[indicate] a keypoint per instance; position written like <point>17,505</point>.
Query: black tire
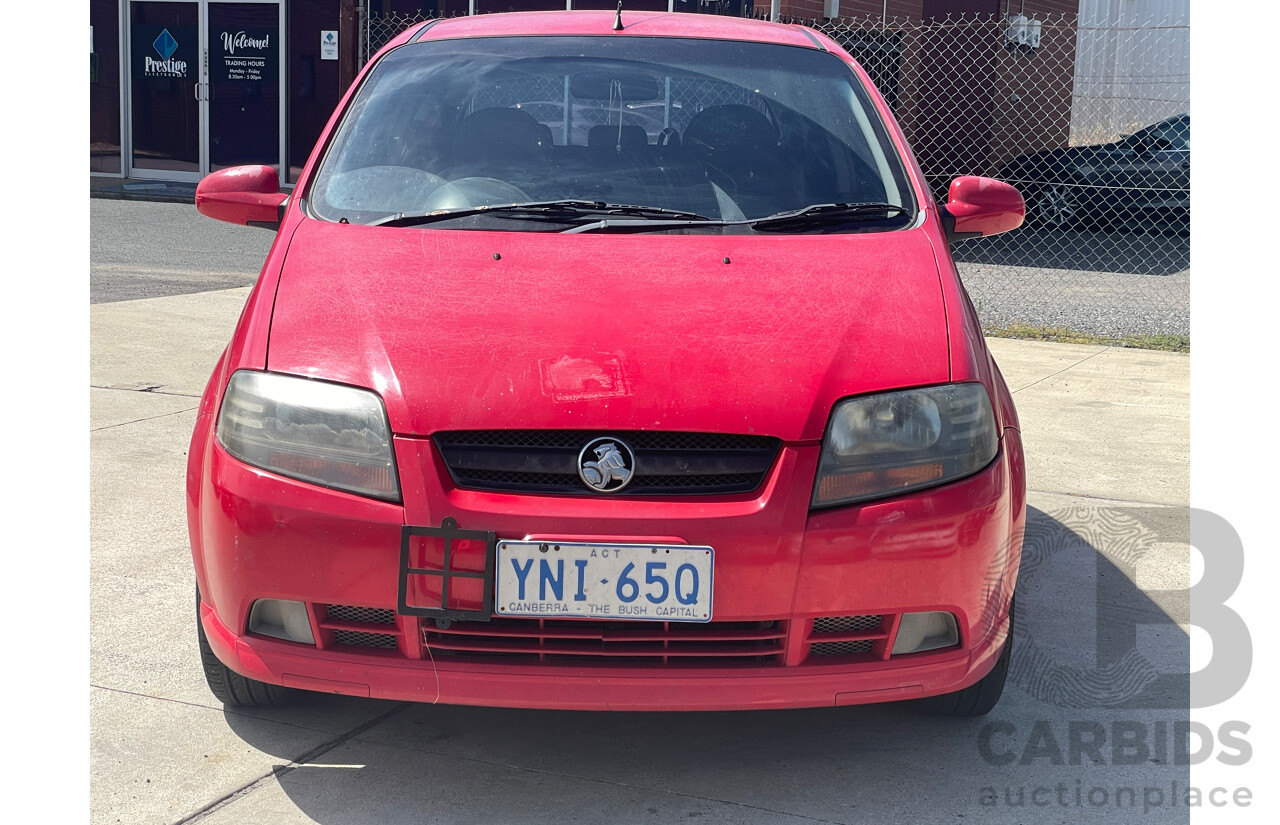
<point>979,698</point>
<point>229,687</point>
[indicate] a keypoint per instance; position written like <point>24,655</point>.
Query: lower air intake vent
<point>845,624</point>
<point>635,643</point>
<point>841,648</point>
<point>352,637</point>
<point>864,636</point>
<point>368,615</point>
<point>367,627</point>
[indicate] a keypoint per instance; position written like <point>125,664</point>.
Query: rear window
<point>723,129</point>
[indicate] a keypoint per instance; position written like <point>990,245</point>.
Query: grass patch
<point>1027,332</point>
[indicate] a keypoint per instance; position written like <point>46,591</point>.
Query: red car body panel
<point>734,334</point>
<point>429,315</point>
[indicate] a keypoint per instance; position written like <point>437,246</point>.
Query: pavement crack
<point>282,770</point>
<point>150,389</point>
<point>1112,499</point>
<point>1061,371</point>
<point>148,418</point>
<point>219,709</point>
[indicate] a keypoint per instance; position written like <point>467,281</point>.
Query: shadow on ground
<point>1128,253</point>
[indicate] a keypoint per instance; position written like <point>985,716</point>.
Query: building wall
<point>1134,66</point>
<point>816,10</point>
<point>966,102</point>
<point>970,102</point>
<point>314,85</point>
<point>926,9</point>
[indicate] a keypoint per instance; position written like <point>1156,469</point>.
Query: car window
<point>729,130</point>
<point>1174,134</point>
<point>1168,135</point>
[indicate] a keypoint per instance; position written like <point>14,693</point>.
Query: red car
<point>736,443</point>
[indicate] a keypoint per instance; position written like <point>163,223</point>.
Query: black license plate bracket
<point>449,531</point>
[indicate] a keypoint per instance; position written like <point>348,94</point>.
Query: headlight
<point>323,433</point>
<point>889,443</point>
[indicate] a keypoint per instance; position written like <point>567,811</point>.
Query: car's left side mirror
<point>247,195</point>
<point>977,207</point>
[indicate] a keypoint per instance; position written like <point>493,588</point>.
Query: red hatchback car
<point>736,443</point>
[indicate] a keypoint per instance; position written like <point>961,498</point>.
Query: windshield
<point>709,129</point>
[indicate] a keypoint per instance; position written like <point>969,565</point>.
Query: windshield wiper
<point>550,210</point>
<point>820,213</point>
<point>814,214</point>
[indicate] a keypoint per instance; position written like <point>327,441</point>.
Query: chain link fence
<point>1089,122</point>
<point>380,29</point>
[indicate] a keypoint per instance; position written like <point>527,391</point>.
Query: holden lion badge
<point>606,465</point>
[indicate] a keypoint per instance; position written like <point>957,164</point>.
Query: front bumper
<point>599,688</point>
<point>954,548</point>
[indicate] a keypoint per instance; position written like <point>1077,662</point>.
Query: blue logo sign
<point>165,45</point>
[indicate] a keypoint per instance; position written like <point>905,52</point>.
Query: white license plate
<point>648,582</point>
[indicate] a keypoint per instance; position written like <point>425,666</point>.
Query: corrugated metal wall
<point>1133,66</point>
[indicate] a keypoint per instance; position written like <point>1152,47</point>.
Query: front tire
<point>229,687</point>
<point>979,698</point>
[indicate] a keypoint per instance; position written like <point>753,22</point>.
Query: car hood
<point>480,330</point>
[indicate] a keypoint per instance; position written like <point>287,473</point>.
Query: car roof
<point>634,24</point>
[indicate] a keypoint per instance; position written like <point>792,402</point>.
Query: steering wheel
<point>466,193</point>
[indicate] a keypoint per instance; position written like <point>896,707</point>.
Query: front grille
<point>588,641</point>
<point>666,463</point>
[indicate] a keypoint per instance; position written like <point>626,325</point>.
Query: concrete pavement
<point>1107,438</point>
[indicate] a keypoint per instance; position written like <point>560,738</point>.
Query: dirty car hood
<point>479,330</point>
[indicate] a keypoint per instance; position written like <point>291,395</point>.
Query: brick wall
<point>813,9</point>
<point>920,9</point>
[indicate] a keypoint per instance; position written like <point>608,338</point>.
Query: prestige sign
<point>245,56</point>
<point>164,52</point>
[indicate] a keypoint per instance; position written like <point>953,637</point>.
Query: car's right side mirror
<point>977,207</point>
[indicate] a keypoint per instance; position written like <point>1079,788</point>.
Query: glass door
<point>205,86</point>
<point>164,90</point>
<point>244,84</point>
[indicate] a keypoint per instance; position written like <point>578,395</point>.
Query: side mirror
<point>977,207</point>
<point>247,195</point>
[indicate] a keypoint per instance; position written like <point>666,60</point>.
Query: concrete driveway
<point>1102,640</point>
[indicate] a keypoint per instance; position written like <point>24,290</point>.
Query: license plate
<point>648,582</point>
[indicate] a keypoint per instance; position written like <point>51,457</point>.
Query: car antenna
<point>617,21</point>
